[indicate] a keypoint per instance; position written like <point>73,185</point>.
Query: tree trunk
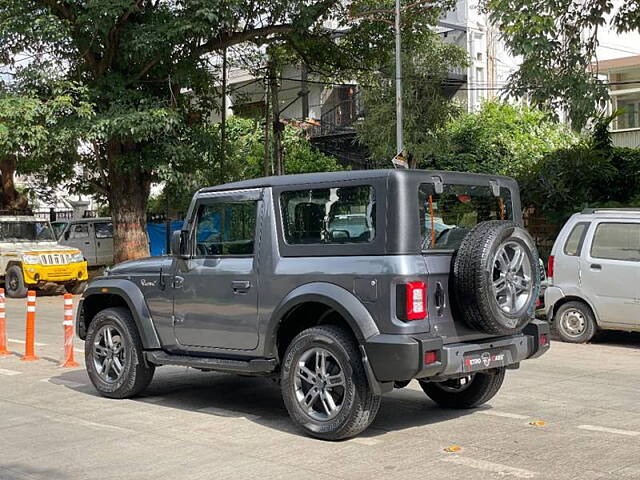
<point>11,199</point>
<point>277,126</point>
<point>128,196</point>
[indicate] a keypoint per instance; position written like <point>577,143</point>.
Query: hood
<point>143,265</point>
<point>35,247</point>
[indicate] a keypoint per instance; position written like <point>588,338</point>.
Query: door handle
<point>240,286</point>
<point>596,266</point>
<point>178,281</point>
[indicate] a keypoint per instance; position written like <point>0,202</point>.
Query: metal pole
<point>223,123</point>
<point>399,133</point>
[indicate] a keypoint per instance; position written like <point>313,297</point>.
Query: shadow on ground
<point>259,400</point>
<point>18,471</point>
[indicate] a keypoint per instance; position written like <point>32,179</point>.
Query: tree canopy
<point>557,42</point>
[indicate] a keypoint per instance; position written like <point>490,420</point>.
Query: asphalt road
<point>572,414</point>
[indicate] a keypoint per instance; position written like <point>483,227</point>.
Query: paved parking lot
<point>573,414</point>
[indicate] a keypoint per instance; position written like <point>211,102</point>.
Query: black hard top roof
<point>322,177</point>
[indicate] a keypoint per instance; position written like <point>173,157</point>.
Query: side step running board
<point>256,366</point>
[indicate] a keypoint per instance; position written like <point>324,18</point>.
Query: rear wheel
<point>14,282</point>
<point>468,392</point>
<point>324,386</point>
<point>574,323</point>
<point>113,355</point>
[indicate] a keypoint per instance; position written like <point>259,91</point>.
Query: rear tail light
<point>544,340</point>
<point>430,357</point>
<point>416,300</point>
<point>550,266</point>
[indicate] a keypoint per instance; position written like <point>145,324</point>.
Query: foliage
<point>145,66</point>
<point>426,103</point>
<point>244,160</point>
<point>500,139</point>
<point>557,43</point>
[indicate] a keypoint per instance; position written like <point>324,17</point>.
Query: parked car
<point>333,284</point>
<point>30,257</point>
<point>594,273</point>
<point>92,236</point>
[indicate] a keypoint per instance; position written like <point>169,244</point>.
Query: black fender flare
<point>132,296</point>
<point>338,298</point>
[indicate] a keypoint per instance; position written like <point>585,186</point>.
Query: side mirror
<point>179,243</point>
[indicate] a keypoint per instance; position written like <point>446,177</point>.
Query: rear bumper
<point>401,357</point>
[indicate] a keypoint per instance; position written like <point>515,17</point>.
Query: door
<point>216,288</point>
<point>610,270</point>
<point>78,236</point>
<point>103,233</point>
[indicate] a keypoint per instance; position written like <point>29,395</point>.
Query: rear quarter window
<point>573,245</point>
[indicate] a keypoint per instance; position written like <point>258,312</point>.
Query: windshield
<point>446,218</point>
<point>58,227</point>
<point>26,231</point>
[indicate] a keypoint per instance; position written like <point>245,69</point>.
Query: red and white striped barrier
<point>69,361</point>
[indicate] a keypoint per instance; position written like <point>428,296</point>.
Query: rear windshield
<point>446,218</point>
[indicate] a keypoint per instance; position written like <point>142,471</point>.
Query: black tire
<point>574,322</point>
<point>482,388</point>
<point>76,288</point>
<point>358,406</point>
<point>14,282</point>
<point>477,269</point>
<point>135,374</point>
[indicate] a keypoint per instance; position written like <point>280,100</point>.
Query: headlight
<point>31,259</point>
<point>77,257</point>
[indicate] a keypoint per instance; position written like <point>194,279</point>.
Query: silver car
<point>92,236</point>
<point>594,273</point>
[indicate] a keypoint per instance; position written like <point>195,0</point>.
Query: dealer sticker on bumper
<point>484,359</point>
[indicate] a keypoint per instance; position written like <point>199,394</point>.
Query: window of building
<point>226,228</point>
<point>329,215</point>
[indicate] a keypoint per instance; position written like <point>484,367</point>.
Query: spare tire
<point>496,278</point>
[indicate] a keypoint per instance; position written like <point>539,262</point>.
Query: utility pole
<point>399,159</point>
<point>267,128</point>
<point>223,122</point>
<point>277,126</point>
<point>304,75</point>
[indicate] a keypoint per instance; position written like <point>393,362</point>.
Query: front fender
<point>338,298</point>
<point>106,292</point>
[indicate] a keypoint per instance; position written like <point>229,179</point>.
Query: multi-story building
<point>623,75</point>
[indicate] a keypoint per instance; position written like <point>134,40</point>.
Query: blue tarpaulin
<point>158,236</point>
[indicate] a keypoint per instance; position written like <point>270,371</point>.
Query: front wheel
<point>113,355</point>
<point>14,282</point>
<point>324,385</point>
<point>467,392</point>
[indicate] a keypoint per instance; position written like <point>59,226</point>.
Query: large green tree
<point>557,41</point>
<point>145,66</point>
<point>426,97</point>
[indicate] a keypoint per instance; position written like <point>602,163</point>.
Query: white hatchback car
<point>594,274</point>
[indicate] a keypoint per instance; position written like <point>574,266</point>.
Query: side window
<point>329,215</point>
<point>226,228</point>
<point>617,241</point>
<point>103,230</point>
<point>79,231</point>
<point>573,246</point>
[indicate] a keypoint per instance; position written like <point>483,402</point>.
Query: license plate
<point>484,359</point>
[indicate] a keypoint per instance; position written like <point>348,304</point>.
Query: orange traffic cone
<point>3,325</point>
<point>69,362</point>
<point>30,340</point>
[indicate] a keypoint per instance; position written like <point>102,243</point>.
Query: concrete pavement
<point>572,414</point>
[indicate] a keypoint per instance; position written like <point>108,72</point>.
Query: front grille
<point>55,258</point>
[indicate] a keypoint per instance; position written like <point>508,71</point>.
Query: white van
<point>594,274</point>
<point>92,236</point>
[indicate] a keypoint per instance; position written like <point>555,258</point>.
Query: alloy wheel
<point>512,278</point>
<point>320,384</point>
<point>109,353</point>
